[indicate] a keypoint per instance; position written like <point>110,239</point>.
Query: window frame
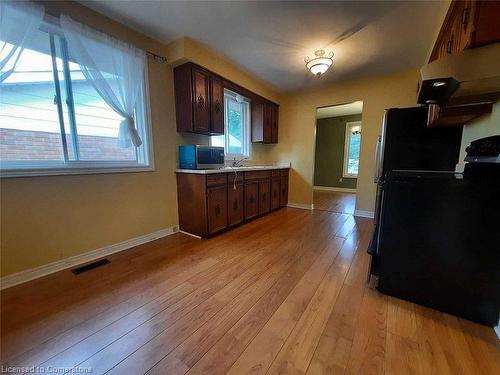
<point>31,168</point>
<point>347,138</point>
<point>246,136</point>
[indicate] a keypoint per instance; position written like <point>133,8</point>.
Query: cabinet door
<point>284,191</point>
<point>217,208</point>
<point>251,199</point>
<point>235,204</point>
<point>275,193</point>
<point>257,109</point>
<point>217,106</point>
<point>486,19</point>
<point>201,105</point>
<point>274,123</point>
<point>268,123</point>
<point>264,196</point>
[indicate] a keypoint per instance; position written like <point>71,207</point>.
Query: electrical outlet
<point>340,179</point>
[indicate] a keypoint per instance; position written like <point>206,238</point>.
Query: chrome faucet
<point>237,163</point>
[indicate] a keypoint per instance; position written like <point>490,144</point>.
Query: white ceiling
<point>271,39</point>
<point>353,108</point>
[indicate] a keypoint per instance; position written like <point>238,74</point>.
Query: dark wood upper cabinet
<point>468,24</point>
<point>199,104</point>
<point>217,105</point>
<point>201,110</point>
<point>265,117</point>
<point>199,100</point>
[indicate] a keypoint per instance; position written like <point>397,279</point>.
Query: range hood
<point>466,78</point>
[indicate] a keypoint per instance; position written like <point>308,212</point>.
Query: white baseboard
<point>301,206</point>
<point>190,234</point>
<point>34,273</point>
<point>361,213</point>
<point>330,188</point>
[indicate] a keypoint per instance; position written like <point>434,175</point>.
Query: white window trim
<point>247,144</point>
<point>30,168</point>
<point>348,125</point>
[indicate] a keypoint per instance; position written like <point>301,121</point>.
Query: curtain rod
<point>157,57</point>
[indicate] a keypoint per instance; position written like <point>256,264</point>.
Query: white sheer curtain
<point>115,69</point>
<point>18,22</point>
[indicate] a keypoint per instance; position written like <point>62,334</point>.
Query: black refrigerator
<point>436,239</point>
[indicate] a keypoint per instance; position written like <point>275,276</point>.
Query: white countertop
<point>237,169</point>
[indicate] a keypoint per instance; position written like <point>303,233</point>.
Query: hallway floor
<point>334,201</point>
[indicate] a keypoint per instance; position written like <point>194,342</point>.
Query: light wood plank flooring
<point>334,201</point>
<point>284,294</point>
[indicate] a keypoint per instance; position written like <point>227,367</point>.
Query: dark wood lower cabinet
<point>284,190</point>
<point>251,199</point>
<point>235,204</point>
<point>275,193</point>
<point>217,208</point>
<point>210,203</point>
<point>264,197</point>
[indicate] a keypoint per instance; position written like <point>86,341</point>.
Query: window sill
<point>71,171</point>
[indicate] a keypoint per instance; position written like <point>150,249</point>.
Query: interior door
<point>217,106</point>
<point>201,103</point>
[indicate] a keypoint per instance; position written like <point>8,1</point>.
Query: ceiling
<point>271,39</point>
<point>353,108</point>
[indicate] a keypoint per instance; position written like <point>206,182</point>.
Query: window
<point>53,121</point>
<point>236,138</point>
<point>351,149</point>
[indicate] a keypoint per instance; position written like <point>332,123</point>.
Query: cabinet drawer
<point>257,175</point>
<point>216,179</point>
<point>231,176</point>
<point>284,172</point>
<point>275,172</point>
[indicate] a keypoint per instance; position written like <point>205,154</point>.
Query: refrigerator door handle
<point>376,174</point>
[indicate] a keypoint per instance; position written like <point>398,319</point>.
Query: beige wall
<point>297,127</point>
<point>45,219</point>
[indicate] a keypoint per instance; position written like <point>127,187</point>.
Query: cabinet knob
<point>235,205</point>
<point>217,106</point>
<point>201,101</point>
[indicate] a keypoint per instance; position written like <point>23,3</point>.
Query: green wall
<point>329,158</point>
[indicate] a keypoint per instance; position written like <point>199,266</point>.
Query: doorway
<point>336,157</point>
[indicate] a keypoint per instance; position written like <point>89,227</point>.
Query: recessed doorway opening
<point>336,157</point>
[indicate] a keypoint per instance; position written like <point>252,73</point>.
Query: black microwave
<point>201,157</point>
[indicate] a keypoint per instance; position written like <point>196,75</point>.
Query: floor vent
<point>90,266</point>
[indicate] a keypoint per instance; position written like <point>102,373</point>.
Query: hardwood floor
<point>334,201</point>
<point>285,293</point>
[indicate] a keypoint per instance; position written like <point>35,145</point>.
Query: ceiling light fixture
<point>320,63</point>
